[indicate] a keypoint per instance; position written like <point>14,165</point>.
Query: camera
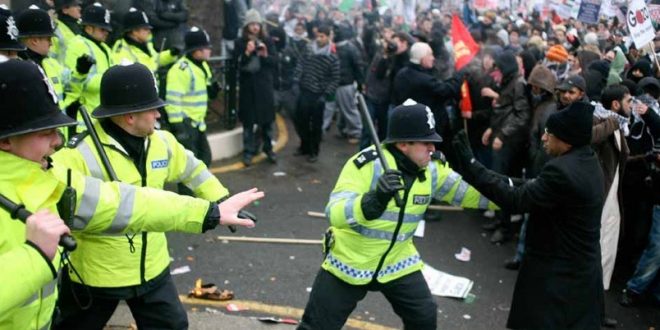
<point>391,48</point>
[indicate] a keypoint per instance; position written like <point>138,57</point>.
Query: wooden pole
<point>269,240</point>
<point>316,214</point>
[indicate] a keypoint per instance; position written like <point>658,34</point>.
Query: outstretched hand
<point>231,207</point>
<point>462,148</point>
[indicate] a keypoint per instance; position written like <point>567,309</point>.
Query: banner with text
<point>639,23</point>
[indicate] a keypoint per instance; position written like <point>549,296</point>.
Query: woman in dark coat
<point>256,107</point>
<point>559,285</point>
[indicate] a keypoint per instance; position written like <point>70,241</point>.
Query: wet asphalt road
<point>280,274</point>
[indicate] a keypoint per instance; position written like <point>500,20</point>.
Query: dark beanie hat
<point>573,124</point>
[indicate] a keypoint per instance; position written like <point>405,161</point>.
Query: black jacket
<point>256,100</point>
<point>351,66</point>
<point>559,285</point>
<point>417,83</point>
<point>389,67</point>
<point>168,18</point>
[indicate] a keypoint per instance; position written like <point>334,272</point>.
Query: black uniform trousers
<point>199,145</point>
<point>154,304</point>
<point>332,301</point>
<point>308,121</point>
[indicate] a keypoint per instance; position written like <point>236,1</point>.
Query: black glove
<point>175,51</point>
<point>72,109</point>
<point>84,64</point>
<point>181,132</point>
<point>247,215</point>
<point>213,90</point>
<point>388,185</point>
<point>462,148</point>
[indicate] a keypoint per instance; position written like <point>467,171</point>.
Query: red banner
<point>464,46</point>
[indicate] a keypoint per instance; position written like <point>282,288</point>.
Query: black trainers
<point>512,264</point>
<point>629,298</point>
<point>608,322</point>
<point>312,158</point>
<point>247,161</point>
<point>271,156</point>
<point>500,236</point>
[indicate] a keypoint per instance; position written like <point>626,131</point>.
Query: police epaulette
<point>183,65</point>
<point>75,140</point>
<point>365,157</point>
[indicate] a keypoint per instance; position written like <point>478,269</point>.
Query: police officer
<point>134,268</point>
<point>9,43</point>
<point>189,87</point>
<point>67,27</point>
<point>28,136</point>
<point>135,46</point>
<point>36,28</point>
<point>371,246</point>
<point>88,56</point>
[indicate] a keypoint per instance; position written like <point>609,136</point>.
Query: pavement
<point>274,279</point>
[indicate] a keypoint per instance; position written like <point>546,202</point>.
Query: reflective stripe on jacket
<point>360,244</point>
<point>186,92</point>
<point>105,260</point>
<point>27,299</point>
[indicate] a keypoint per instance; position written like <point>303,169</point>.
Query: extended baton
<point>366,119</point>
<point>18,212</point>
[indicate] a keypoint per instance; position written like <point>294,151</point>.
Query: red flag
<point>466,103</point>
<point>464,46</point>
<point>464,51</point>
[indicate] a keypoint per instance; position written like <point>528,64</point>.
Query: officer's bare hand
<point>229,208</point>
<point>44,229</point>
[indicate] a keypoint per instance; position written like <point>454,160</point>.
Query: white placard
<point>639,23</point>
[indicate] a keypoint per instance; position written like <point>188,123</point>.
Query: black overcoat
<point>559,285</point>
<point>256,103</point>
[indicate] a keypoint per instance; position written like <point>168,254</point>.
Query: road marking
<point>269,240</point>
<point>282,139</point>
<point>282,311</point>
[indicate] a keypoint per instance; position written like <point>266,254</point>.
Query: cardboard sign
<point>639,23</point>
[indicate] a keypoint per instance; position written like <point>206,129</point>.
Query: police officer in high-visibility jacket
<point>66,27</point>
<point>136,45</point>
<point>9,43</point>
<point>36,28</point>
<point>133,268</point>
<point>369,246</point>
<point>189,87</point>
<point>28,136</point>
<point>88,56</point>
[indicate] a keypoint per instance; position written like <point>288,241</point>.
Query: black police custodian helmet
<point>9,34</point>
<point>96,15</point>
<point>61,4</point>
<point>35,22</point>
<point>136,19</point>
<point>29,102</point>
<point>196,38</point>
<point>411,122</point>
<point>127,88</point>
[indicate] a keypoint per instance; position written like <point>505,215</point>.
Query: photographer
<point>257,63</point>
<point>395,58</point>
<point>638,180</point>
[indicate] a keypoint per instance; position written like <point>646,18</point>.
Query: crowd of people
<point>309,62</point>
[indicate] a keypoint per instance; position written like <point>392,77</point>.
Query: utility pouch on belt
<point>328,242</point>
<point>66,206</point>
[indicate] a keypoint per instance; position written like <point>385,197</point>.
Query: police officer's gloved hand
<point>213,90</point>
<point>84,64</point>
<point>462,148</point>
<point>181,132</point>
<point>175,51</point>
<point>388,184</point>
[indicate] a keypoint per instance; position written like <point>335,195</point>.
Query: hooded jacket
<point>511,113</point>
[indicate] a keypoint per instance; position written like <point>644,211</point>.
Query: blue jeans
<point>649,264</point>
<point>250,141</point>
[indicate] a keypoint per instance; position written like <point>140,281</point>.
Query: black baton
<point>366,119</point>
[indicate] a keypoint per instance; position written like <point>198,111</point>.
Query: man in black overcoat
<point>559,285</point>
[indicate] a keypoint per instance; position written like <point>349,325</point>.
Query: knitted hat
<point>252,16</point>
<point>573,124</point>
<point>557,53</point>
<point>419,50</point>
